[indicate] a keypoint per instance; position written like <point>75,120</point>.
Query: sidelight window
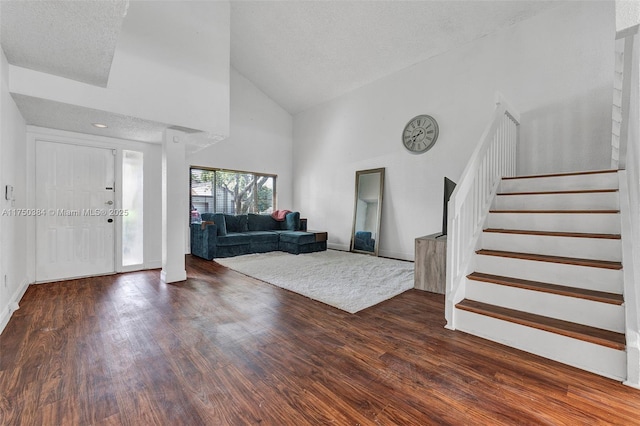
<point>132,202</point>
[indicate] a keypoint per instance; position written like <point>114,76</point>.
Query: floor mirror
<point>365,234</point>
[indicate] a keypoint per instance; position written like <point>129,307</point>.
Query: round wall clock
<point>420,134</point>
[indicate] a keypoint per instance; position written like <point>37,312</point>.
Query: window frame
<point>274,178</point>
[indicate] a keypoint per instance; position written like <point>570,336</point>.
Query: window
<point>231,192</point>
<point>132,201</point>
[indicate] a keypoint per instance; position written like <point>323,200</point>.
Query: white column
<point>174,206</point>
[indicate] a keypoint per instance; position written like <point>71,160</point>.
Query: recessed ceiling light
<point>99,125</point>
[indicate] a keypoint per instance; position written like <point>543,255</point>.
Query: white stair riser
<point>597,223</point>
<point>597,359</point>
<point>609,280</point>
<point>561,183</point>
<point>581,311</point>
<point>582,201</point>
<point>583,248</point>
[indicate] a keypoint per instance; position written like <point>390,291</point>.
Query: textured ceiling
<point>302,53</point>
<point>61,116</point>
<point>72,39</point>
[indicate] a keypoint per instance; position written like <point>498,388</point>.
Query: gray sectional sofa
<point>222,235</point>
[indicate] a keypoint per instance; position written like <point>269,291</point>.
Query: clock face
<point>420,134</point>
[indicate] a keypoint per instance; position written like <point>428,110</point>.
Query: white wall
<point>13,249</point>
<point>260,139</point>
<point>556,68</point>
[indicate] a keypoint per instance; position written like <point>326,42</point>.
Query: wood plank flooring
<point>224,349</point>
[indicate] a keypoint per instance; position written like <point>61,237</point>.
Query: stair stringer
<point>631,280</point>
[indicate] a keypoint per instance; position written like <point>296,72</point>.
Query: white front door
<point>74,225</point>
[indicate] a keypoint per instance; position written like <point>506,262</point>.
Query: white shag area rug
<point>347,281</point>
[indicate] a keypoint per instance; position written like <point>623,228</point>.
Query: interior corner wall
<point>260,139</point>
<point>13,248</point>
<point>555,68</point>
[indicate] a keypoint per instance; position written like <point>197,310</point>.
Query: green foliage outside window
<point>232,192</point>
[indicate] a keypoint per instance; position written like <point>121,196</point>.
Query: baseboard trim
<point>396,255</point>
<point>156,264</point>
<point>340,247</point>
<point>13,305</point>
<point>173,276</point>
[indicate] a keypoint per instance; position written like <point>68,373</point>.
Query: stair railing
<point>625,155</point>
<point>493,158</point>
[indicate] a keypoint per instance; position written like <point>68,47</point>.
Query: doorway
<point>75,196</point>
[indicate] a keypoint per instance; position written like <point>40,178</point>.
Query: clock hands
<point>415,136</point>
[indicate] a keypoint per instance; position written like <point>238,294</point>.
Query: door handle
<point>109,202</point>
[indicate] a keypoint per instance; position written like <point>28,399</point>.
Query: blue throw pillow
<point>292,221</point>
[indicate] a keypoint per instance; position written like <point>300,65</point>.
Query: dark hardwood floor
<point>224,349</point>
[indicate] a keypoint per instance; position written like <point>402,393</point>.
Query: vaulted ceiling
<point>300,53</point>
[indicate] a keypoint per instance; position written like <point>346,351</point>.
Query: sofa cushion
<point>218,219</point>
<point>234,239</point>
<point>236,223</point>
<point>262,222</point>
<point>263,241</point>
<point>297,237</point>
<point>302,248</point>
<point>263,236</point>
<point>291,222</point>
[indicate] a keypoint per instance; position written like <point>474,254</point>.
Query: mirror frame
<point>379,212</point>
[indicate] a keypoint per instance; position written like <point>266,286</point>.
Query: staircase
<point>548,276</point>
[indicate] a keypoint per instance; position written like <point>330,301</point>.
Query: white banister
<point>625,155</point>
<point>493,158</point>
<point>626,44</point>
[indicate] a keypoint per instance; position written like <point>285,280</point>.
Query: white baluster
<point>493,158</point>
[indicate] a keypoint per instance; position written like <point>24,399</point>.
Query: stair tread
<point>575,191</point>
<point>580,293</point>
<point>558,211</point>
<point>605,264</point>
<point>586,333</point>
<point>553,233</point>
<point>591,172</point>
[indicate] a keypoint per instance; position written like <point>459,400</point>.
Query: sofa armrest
<point>204,240</point>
